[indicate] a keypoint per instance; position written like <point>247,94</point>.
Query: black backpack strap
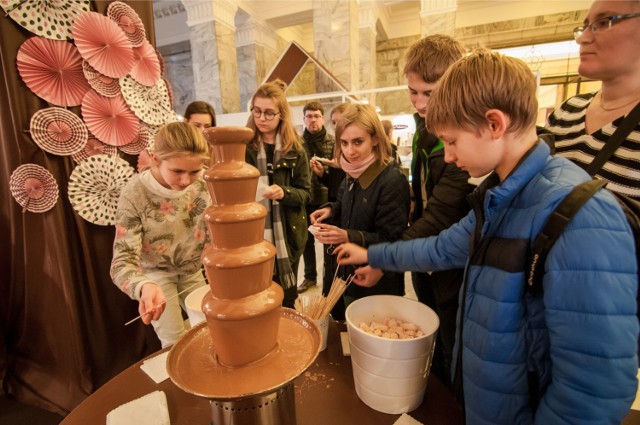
<point>616,139</point>
<point>553,228</point>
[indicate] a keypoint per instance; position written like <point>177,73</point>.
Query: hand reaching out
<point>350,253</point>
<point>152,303</point>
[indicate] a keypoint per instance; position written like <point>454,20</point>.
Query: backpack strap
<point>615,140</point>
<point>553,228</point>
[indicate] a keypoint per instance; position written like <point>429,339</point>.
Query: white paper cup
<point>323,324</point>
<point>193,303</point>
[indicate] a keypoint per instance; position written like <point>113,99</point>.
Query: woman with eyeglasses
<point>285,181</point>
<point>583,124</point>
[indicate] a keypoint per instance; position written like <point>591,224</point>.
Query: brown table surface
<point>324,394</point>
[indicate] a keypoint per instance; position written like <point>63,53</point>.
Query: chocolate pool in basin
<point>246,355</point>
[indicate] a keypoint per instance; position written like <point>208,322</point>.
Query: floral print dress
<point>157,229</point>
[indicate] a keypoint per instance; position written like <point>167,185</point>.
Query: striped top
<point>622,170</point>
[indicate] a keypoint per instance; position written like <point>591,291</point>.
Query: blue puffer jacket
<point>568,357</point>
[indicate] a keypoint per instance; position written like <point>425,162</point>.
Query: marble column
<point>438,17</point>
<point>257,51</point>
<point>213,51</point>
<point>368,16</point>
<point>336,40</point>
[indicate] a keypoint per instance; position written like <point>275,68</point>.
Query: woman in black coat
<point>373,200</point>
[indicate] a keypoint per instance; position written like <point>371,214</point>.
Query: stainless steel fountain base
<point>275,408</point>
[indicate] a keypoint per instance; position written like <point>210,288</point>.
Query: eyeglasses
<point>268,114</point>
<point>602,24</point>
<point>313,117</point>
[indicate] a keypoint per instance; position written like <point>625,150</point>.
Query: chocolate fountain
<point>246,355</point>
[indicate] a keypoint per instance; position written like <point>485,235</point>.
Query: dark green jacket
<point>293,175</point>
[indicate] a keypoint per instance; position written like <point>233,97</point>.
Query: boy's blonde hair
<point>365,117</point>
<point>431,56</point>
<point>179,139</point>
<point>275,90</point>
<point>481,81</point>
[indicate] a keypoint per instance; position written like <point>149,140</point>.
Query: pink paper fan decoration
<point>47,18</point>
<point>129,21</point>
<point>58,131</point>
<point>109,119</point>
<point>106,86</point>
<point>146,70</point>
<point>94,147</point>
<point>34,188</point>
<point>52,70</point>
<point>139,144</point>
<point>161,62</point>
<point>103,44</point>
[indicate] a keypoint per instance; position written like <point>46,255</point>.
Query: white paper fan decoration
<point>150,104</point>
<point>95,185</point>
<point>58,131</point>
<point>34,188</point>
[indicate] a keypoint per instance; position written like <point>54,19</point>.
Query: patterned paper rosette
<point>34,188</point>
<point>150,104</point>
<point>95,185</point>
<point>52,69</point>
<point>152,130</point>
<point>58,131</point>
<point>103,44</point>
<point>94,147</point>
<point>129,21</point>
<point>106,86</point>
<point>139,144</point>
<point>47,18</point>
<point>110,119</point>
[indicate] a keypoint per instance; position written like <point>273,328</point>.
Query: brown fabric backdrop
<point>61,317</point>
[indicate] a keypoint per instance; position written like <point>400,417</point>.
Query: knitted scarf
<point>273,230</point>
<point>356,169</point>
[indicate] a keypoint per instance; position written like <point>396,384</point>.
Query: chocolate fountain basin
<point>193,368</point>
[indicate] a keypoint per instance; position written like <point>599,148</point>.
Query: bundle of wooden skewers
<point>318,306</point>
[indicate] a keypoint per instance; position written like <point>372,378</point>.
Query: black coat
<point>447,188</point>
<point>373,209</point>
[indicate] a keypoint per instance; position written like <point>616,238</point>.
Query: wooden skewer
<point>162,303</point>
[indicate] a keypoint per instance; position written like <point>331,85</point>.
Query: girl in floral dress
<point>160,230</point>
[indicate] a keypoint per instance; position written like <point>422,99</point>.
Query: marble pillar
<point>257,50</point>
<point>213,52</point>
<point>368,14</point>
<point>336,40</point>
<point>438,17</point>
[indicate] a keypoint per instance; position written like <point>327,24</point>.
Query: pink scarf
<point>356,170</point>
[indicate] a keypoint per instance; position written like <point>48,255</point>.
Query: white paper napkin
<point>405,420</point>
<point>260,190</point>
<point>156,367</point>
<point>150,409</point>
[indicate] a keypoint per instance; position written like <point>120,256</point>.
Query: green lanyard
<point>437,147</point>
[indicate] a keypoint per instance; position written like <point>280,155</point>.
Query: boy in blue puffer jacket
<point>568,356</point>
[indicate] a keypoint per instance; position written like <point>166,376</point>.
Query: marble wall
<point>336,40</point>
<point>390,60</point>
<point>441,23</point>
<point>179,73</point>
<point>248,64</point>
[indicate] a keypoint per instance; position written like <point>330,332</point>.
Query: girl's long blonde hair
<point>275,90</point>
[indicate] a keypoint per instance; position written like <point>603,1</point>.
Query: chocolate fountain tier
<point>193,367</point>
<point>235,226</point>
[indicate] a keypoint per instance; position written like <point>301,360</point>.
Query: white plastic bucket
<point>390,375</point>
<point>193,303</point>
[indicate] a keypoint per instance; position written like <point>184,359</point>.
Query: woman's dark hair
<point>201,107</point>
